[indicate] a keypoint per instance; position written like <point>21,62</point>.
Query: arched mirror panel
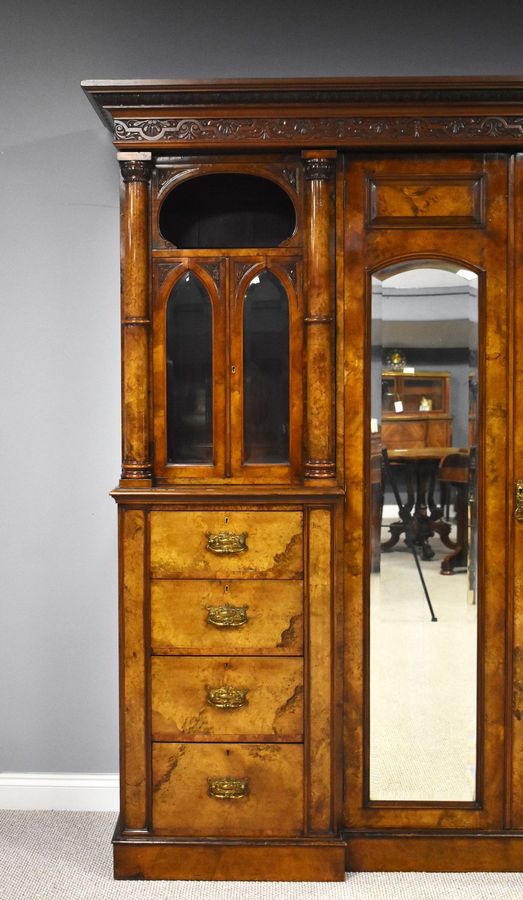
<point>227,210</point>
<point>424,550</point>
<point>266,371</point>
<point>189,363</point>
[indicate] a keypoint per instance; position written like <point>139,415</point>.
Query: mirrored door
<point>425,405</point>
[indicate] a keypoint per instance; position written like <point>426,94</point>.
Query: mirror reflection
<point>423,591</point>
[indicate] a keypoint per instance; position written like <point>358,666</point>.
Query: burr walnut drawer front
<point>237,544</point>
<point>227,698</point>
<point>228,789</point>
<point>223,617</point>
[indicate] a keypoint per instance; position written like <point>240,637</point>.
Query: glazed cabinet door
<point>227,266</point>
<point>427,586</point>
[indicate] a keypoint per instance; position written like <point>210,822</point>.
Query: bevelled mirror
<point>424,592</point>
<point>189,373</point>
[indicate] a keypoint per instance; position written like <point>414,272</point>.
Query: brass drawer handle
<point>227,697</point>
<point>518,500</point>
<point>227,616</point>
<point>228,788</point>
<point>227,542</point>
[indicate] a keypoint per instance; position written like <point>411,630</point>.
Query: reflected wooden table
<point>421,467</point>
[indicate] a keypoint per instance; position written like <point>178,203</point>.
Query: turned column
<point>135,319</point>
<point>319,319</point>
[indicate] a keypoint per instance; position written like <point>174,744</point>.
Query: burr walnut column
<point>319,320</point>
<point>135,311</point>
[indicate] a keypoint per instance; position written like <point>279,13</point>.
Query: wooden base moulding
<point>153,859</point>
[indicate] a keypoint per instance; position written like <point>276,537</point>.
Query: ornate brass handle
<point>228,788</point>
<point>227,616</point>
<point>518,500</point>
<point>227,697</point>
<point>227,542</point>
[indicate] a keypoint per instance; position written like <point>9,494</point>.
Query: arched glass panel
<point>227,210</point>
<point>189,373</point>
<point>266,371</point>
<point>423,583</point>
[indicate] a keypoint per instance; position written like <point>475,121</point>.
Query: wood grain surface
<point>272,707</point>
<point>273,610</point>
<point>179,544</point>
<point>272,807</point>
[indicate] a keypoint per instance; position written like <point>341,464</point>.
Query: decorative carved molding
<point>162,270</point>
<point>241,269</point>
<point>214,271</point>
<point>318,320</point>
<point>320,468</point>
<point>318,168</point>
<point>135,320</point>
<point>133,469</point>
<point>135,170</point>
<point>290,176</point>
<point>291,269</point>
<point>338,128</point>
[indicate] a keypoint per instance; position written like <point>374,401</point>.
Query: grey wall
<point>59,294</point>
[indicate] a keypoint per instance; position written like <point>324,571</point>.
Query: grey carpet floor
<point>67,856</point>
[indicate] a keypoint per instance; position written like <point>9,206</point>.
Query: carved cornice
<point>135,170</point>
<point>349,129</point>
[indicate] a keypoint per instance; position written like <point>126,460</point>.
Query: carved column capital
<point>318,168</point>
<point>136,170</point>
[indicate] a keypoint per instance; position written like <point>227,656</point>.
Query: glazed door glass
<point>266,371</point>
<point>423,591</point>
<point>189,373</point>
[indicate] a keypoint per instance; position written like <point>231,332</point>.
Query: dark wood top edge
<point>457,82</point>
<point>111,97</point>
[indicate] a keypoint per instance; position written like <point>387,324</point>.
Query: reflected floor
<point>423,682</point>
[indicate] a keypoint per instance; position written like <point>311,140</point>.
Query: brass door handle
<point>227,542</point>
<point>227,616</point>
<point>226,697</point>
<point>228,788</point>
<point>518,500</point>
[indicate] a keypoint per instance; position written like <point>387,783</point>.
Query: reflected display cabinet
<point>272,711</point>
<point>416,410</point>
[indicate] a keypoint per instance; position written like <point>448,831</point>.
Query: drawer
<point>215,617</point>
<point>226,698</point>
<point>228,789</point>
<point>210,544</point>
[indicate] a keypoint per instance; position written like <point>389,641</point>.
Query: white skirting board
<point>97,791</point>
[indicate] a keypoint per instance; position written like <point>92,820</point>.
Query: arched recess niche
<point>227,209</point>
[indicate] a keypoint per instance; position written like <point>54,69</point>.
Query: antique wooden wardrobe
<point>289,708</point>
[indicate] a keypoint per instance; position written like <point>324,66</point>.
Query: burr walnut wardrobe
<point>302,259</point>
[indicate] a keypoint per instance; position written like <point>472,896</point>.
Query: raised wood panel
<point>320,663</point>
<point>272,807</point>
<point>273,612</point>
<point>133,747</point>
<point>270,691</point>
<point>429,201</point>
<point>274,544</point>
<point>515,668</point>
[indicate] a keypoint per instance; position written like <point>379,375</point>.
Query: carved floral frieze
<point>335,128</point>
